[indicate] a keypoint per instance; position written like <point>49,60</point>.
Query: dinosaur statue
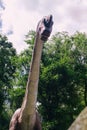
<point>81,121</point>
<point>27,117</point>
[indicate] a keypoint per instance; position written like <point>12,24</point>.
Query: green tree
<point>7,69</point>
<point>80,61</point>
<point>62,84</point>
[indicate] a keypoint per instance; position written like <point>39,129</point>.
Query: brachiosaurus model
<point>26,117</point>
<point>81,121</point>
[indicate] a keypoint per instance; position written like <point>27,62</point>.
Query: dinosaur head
<point>45,27</point>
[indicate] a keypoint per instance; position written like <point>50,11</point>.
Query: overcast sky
<point>17,17</point>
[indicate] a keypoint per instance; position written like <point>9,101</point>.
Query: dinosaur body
<point>26,117</point>
<point>81,121</point>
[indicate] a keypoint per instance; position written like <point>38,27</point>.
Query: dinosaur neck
<point>29,104</point>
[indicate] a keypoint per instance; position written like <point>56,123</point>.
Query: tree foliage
<point>7,69</point>
<point>62,88</point>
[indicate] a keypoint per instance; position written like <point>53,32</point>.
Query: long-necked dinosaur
<point>26,117</point>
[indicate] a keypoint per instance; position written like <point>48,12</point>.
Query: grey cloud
<point>42,6</point>
<point>2,5</point>
<point>78,13</point>
<point>48,6</point>
<point>0,23</point>
<point>28,4</point>
<point>10,32</point>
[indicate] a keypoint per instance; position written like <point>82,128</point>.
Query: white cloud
<point>20,16</point>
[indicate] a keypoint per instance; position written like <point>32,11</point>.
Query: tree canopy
<point>7,69</point>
